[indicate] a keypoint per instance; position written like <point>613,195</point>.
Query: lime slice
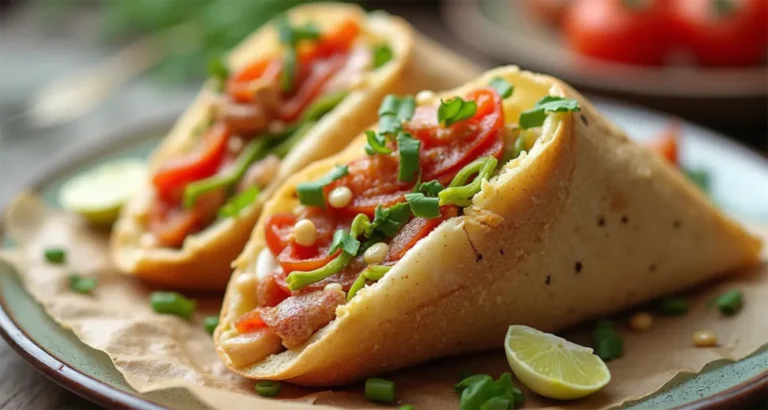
<point>99,193</point>
<point>552,366</point>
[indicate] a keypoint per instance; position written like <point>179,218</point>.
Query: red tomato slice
<point>278,230</point>
<point>250,322</point>
<point>175,174</point>
<point>310,86</point>
<point>170,225</point>
<point>340,37</point>
<point>445,150</point>
<point>239,86</point>
<point>416,229</point>
<point>373,181</point>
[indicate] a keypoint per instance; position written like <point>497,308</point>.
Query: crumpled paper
<point>155,351</point>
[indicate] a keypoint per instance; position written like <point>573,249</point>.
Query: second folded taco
<point>296,91</point>
<point>510,200</point>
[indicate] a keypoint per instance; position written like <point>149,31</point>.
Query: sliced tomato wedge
<point>340,37</point>
<point>310,85</point>
<point>240,88</point>
<point>373,182</point>
<point>299,258</point>
<point>170,224</point>
<point>278,230</point>
<point>446,150</point>
<point>415,230</point>
<point>175,174</point>
<point>250,322</point>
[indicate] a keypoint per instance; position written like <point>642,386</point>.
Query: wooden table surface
<point>21,386</point>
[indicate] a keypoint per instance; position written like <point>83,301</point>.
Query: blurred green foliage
<point>215,26</point>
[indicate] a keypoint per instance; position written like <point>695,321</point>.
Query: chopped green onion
<point>461,195</point>
<point>497,403</point>
<point>547,105</point>
<point>408,148</point>
<point>80,284</point>
<point>431,188</point>
<point>297,279</point>
<point>210,323</point>
<point>503,387</point>
<point>218,70</point>
<point>517,148</point>
<point>253,151</point>
<point>393,111</point>
<point>239,202</point>
<point>606,342</point>
<point>323,105</point>
<point>372,272</point>
<point>377,144</point>
<point>342,239</point>
<point>454,110</point>
<point>729,303</point>
<point>172,303</point>
<point>380,390</point>
<point>290,35</point>
<point>311,193</point>
<point>476,394</point>
<point>502,87</point>
<point>422,206</point>
<point>268,388</point>
<point>470,380</point>
<point>285,146</point>
<point>55,255</point>
<point>289,70</point>
<point>382,54</point>
<point>406,407</point>
<point>673,305</point>
<point>700,177</point>
<point>389,220</point>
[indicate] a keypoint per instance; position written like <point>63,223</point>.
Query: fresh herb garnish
<point>311,193</point>
<point>372,272</point>
<point>382,54</point>
<point>268,388</point>
<point>343,240</point>
<point>239,202</point>
<point>422,206</point>
<point>393,111</point>
<point>377,143</point>
<point>729,303</point>
<point>673,305</point>
<point>172,303</point>
<point>431,188</point>
<point>55,255</point>
<point>700,177</point>
<point>502,87</point>
<point>480,391</point>
<point>288,72</point>
<point>218,70</point>
<point>210,323</point>
<point>290,36</point>
<point>380,390</point>
<point>80,284</point>
<point>454,110</point>
<point>408,148</point>
<point>606,342</point>
<point>535,117</point>
<point>389,220</point>
<point>253,151</point>
<point>460,194</point>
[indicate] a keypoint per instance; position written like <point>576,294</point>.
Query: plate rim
<point>84,385</point>
<point>477,31</point>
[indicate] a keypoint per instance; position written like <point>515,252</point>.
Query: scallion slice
<point>297,280</point>
<point>382,54</point>
<point>502,87</point>
<point>460,194</point>
<point>81,284</point>
<point>535,116</point>
<point>380,390</point>
<point>431,188</point>
<point>172,303</point>
<point>288,72</point>
<point>239,202</point>
<point>422,206</point>
<point>389,220</point>
<point>377,143</point>
<point>219,71</point>
<point>409,157</point>
<point>454,110</point>
<point>268,388</point>
<point>311,193</point>
<point>372,272</point>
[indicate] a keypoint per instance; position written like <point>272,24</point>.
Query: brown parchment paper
<point>155,352</point>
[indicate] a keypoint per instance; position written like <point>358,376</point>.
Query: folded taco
<point>297,90</point>
<point>509,200</point>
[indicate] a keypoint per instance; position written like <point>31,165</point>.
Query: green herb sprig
<point>606,342</point>
<point>480,391</point>
<point>535,116</point>
<point>311,193</point>
<point>454,110</point>
<point>382,54</point>
<point>84,285</point>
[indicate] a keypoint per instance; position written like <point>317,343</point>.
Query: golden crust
<point>586,224</point>
<point>203,263</point>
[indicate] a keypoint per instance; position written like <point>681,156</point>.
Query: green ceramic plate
<point>739,184</point>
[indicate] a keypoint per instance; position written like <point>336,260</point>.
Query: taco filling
<point>260,113</point>
<point>421,167</point>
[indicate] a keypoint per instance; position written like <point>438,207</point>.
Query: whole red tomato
<point>627,31</point>
<point>722,32</point>
<point>549,11</point>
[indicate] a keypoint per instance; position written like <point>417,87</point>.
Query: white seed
<point>376,253</point>
<point>641,321</point>
<point>424,96</point>
<point>704,338</point>
<point>305,232</point>
<point>340,197</point>
<point>333,287</point>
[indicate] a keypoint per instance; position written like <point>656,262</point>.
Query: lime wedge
<point>552,366</point>
<point>99,193</point>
